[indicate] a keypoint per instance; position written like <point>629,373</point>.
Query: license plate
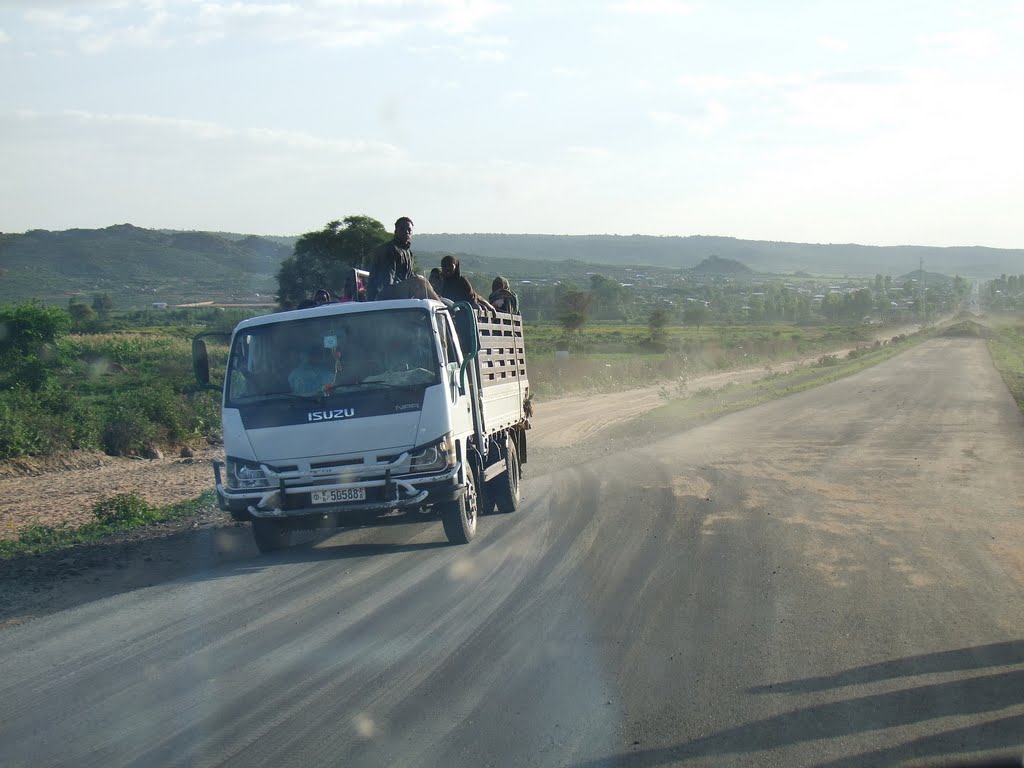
<point>339,494</point>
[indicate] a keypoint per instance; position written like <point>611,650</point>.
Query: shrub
<point>43,536</point>
<point>125,510</point>
<point>48,421</point>
<point>128,429</point>
<point>154,414</point>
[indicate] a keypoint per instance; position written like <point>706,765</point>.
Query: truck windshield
<point>318,356</point>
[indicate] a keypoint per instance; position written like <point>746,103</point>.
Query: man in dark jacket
<point>391,262</point>
<point>454,285</point>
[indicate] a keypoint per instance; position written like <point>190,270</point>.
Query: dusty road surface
<point>834,579</point>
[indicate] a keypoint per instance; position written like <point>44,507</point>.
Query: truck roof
<point>342,308</point>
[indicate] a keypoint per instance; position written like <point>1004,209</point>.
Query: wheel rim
<point>469,508</point>
<point>512,459</point>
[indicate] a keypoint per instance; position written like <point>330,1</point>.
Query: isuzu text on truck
<point>371,413</point>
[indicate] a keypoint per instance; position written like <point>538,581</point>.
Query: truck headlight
<point>246,476</point>
<point>435,457</point>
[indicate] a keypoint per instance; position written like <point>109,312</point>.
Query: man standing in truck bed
<point>391,262</point>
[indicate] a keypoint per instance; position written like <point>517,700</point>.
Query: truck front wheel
<point>271,535</point>
<point>459,517</point>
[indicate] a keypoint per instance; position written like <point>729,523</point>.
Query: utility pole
<point>920,288</point>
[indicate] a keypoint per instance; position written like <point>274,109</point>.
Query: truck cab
<point>372,413</point>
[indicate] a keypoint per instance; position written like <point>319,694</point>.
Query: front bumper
<point>291,499</point>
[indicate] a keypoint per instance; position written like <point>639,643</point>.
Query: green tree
<point>608,297</point>
<point>695,314</point>
<point>321,259</point>
<point>574,309</point>
<point>82,315</point>
<point>657,322</point>
<point>102,304</point>
<point>29,343</point>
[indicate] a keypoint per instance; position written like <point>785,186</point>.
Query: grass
<point>605,358</point>
<point>1006,345</point>
<point>117,514</point>
<point>119,392</point>
<point>706,404</point>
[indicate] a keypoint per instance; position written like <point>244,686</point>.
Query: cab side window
<point>448,338</point>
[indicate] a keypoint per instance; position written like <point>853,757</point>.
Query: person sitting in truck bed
<point>502,297</point>
<point>456,287</point>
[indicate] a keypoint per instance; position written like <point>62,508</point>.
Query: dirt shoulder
<point>63,489</point>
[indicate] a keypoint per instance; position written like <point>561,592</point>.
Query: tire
<point>271,535</point>
<point>459,517</point>
<point>504,489</point>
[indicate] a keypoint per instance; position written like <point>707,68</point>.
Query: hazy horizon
<point>868,124</point>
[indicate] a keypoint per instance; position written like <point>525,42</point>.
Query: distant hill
<point>137,266</point>
<point>760,255</point>
<point>716,265</point>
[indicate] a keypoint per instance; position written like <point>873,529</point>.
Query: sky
<point>879,122</point>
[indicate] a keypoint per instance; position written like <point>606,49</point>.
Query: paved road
<point>830,579</point>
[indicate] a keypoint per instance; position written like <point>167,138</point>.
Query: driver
<point>309,377</point>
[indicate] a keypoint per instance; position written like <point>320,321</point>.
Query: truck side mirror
<point>201,360</point>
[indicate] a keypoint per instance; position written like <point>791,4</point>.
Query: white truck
<point>371,413</point>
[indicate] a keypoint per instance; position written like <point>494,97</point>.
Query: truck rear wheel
<point>271,535</point>
<point>459,517</point>
<point>504,489</point>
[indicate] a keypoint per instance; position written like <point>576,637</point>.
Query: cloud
<point>141,130</point>
<point>760,81</point>
<point>592,153</point>
<point>971,43</point>
<point>704,122</point>
<point>59,20</point>
<point>652,8</point>
<point>570,73</point>
<point>457,17</point>
<point>832,44</point>
<point>320,23</point>
<point>84,168</point>
<point>4,37</point>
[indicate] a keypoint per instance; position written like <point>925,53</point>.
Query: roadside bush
<point>127,429</point>
<point>44,536</point>
<point>31,344</point>
<point>125,510</point>
<point>828,360</point>
<point>51,420</point>
<point>157,414</point>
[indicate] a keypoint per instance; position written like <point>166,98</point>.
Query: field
<point>605,358</point>
<point>1006,343</point>
<point>131,391</point>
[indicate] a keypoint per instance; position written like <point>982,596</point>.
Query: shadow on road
<point>975,697</point>
<point>980,657</point>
